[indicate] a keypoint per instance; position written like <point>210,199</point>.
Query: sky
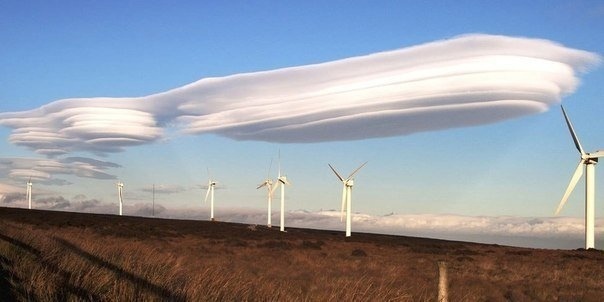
<point>182,88</point>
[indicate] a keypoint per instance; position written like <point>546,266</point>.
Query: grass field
<point>60,256</point>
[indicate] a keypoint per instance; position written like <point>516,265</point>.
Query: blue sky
<point>519,167</point>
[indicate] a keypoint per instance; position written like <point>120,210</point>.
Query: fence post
<point>443,295</point>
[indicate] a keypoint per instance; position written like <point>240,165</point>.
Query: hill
<point>57,256</point>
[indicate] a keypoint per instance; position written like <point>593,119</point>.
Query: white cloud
<point>164,189</point>
<point>464,81</point>
<point>96,124</point>
<point>10,194</point>
<point>45,170</point>
<point>497,225</point>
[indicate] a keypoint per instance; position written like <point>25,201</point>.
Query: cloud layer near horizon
<point>537,232</point>
<point>465,81</point>
<point>540,232</point>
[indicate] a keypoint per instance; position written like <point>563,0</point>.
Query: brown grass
<point>58,256</point>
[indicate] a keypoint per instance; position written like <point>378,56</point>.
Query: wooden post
<point>443,295</point>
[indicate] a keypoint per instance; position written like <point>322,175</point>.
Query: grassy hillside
<point>51,256</point>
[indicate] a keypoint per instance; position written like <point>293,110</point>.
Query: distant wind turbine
<point>120,188</point>
<point>210,193</point>
<point>282,181</point>
<point>268,183</point>
<point>29,185</point>
<point>348,182</point>
<point>153,202</point>
<point>588,162</point>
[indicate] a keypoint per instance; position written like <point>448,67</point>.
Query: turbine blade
<point>207,194</point>
<point>261,185</point>
<point>268,174</point>
<point>274,188</point>
<point>572,132</point>
<point>343,203</point>
<point>279,163</point>
<point>357,170</point>
<point>571,185</point>
<point>336,172</point>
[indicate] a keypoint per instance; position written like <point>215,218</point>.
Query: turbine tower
<point>120,188</point>
<point>268,183</point>
<point>210,193</point>
<point>282,181</point>
<point>588,162</point>
<point>346,196</point>
<point>153,202</point>
<point>29,185</point>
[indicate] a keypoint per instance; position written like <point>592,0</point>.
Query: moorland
<point>63,256</point>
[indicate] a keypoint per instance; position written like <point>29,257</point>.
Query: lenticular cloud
<point>464,81</point>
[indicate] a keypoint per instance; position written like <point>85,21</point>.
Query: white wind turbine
<point>29,185</point>
<point>346,195</point>
<point>282,181</point>
<point>588,162</point>
<point>210,193</point>
<point>268,183</point>
<point>120,188</point>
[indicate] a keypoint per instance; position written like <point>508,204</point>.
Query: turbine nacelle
<point>283,180</point>
<point>349,183</point>
<point>592,158</point>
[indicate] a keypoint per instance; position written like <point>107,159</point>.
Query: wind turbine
<point>588,162</point>
<point>348,182</point>
<point>210,193</point>
<point>29,184</point>
<point>282,181</point>
<point>153,202</point>
<point>268,183</point>
<point>120,188</point>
